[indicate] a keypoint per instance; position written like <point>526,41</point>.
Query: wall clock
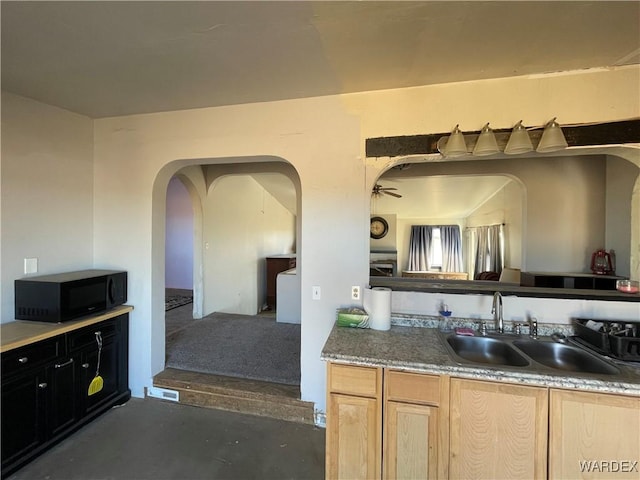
<point>378,227</point>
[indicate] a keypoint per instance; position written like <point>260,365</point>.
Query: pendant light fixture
<point>486,144</point>
<point>519,141</point>
<point>456,145</point>
<point>552,138</point>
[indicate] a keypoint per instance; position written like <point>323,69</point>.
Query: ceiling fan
<point>379,190</point>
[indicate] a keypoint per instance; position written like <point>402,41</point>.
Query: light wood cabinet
<point>423,426</point>
<point>497,430</point>
<point>354,422</point>
<point>415,426</point>
<point>593,435</point>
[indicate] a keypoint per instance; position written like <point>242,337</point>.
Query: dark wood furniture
<point>588,281</point>
<point>275,265</point>
<point>46,373</point>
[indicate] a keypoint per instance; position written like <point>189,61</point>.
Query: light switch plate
<point>30,265</point>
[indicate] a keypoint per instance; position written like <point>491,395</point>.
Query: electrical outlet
<point>315,293</point>
<point>355,292</point>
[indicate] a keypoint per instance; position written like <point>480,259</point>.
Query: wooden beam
<point>610,133</point>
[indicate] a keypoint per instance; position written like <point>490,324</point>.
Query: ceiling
<point>105,59</point>
<point>437,197</point>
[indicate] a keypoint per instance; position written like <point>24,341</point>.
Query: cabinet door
<point>62,411</point>
<point>498,430</point>
<point>411,438</point>
<point>353,446</point>
<point>23,404</point>
<point>108,371</point>
<point>594,435</point>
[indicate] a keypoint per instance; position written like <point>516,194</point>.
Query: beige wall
<point>323,139</point>
<point>506,207</point>
<point>558,214</point>
<point>47,192</point>
<point>243,224</point>
<point>621,177</point>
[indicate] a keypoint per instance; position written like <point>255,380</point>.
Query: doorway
<point>246,216</point>
<point>179,261</point>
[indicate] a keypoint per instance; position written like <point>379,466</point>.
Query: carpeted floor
<point>244,346</point>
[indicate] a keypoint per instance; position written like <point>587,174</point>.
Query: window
<point>435,255</point>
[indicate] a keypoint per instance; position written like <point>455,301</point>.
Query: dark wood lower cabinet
<point>63,398</point>
<point>45,388</point>
<point>23,413</point>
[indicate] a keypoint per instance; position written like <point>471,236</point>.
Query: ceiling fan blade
<point>388,188</point>
<point>393,194</point>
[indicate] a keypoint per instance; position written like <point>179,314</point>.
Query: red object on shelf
<point>601,262</point>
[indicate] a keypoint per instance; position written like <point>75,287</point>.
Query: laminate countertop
<point>22,332</point>
<point>420,349</point>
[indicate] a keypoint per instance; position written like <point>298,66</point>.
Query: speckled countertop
<point>421,349</point>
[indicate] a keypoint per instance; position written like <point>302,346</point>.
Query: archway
<point>199,176</point>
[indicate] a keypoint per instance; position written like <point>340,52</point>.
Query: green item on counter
<point>352,317</point>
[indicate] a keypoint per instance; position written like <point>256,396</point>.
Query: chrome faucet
<point>496,310</point>
<point>533,328</point>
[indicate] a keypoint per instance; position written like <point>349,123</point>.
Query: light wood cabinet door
<point>416,426</point>
<point>353,432</point>
<point>411,439</point>
<point>354,422</point>
<point>497,430</point>
<point>594,435</point>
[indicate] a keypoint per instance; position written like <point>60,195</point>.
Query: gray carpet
<point>244,346</point>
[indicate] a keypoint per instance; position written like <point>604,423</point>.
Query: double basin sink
<point>513,351</point>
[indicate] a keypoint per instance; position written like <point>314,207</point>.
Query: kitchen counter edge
<point>23,332</point>
<point>420,350</point>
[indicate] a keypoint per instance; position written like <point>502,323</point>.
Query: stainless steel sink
<point>564,357</point>
<point>526,354</point>
<point>485,350</point>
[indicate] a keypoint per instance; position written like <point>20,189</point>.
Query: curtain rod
<point>491,225</point>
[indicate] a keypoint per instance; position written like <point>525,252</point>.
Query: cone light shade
<point>519,141</point>
<point>456,145</point>
<point>552,138</point>
<point>486,144</point>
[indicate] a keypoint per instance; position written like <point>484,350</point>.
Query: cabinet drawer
<point>87,336</point>
<point>23,358</point>
<point>412,387</point>
<point>364,381</point>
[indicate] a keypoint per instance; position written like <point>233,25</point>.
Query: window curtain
<point>489,249</point>
<point>420,248</point>
<point>421,242</point>
<point>451,248</point>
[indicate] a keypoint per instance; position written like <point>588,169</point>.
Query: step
<point>236,394</point>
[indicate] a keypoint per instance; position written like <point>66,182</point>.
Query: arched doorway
<point>231,198</point>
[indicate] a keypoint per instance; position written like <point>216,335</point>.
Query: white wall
<point>47,191</point>
<point>243,224</point>
<point>179,237</point>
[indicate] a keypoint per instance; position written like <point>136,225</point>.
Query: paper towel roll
<point>377,303</point>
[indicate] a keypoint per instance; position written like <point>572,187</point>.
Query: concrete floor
<point>154,439</point>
